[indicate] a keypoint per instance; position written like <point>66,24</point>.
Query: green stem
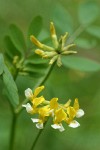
<point>47,75</point>
<point>36,139</point>
<point>12,135</point>
<point>14,119</point>
<point>20,108</point>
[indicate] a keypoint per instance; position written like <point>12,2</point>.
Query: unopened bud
<point>68,52</point>
<point>68,46</point>
<point>39,52</point>
<point>53,59</point>
<point>59,63</point>
<point>64,38</point>
<point>28,93</point>
<point>53,35</point>
<point>36,42</point>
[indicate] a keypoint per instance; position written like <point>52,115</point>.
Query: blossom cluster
<point>44,109</point>
<point>59,47</point>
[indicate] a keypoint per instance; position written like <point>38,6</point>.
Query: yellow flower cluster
<point>59,47</point>
<point>45,109</point>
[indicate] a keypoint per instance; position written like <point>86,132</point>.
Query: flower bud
<point>53,35</point>
<point>36,42</point>
<point>28,93</point>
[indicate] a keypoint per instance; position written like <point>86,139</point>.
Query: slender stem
<point>12,135</point>
<point>47,75</point>
<point>36,139</point>
<point>20,108</point>
<point>14,119</point>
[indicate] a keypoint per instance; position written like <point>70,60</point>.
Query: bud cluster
<point>59,47</point>
<point>44,109</point>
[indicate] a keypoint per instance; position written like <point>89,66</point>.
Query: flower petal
<point>38,100</point>
<point>28,93</point>
<point>79,113</point>
<point>28,107</point>
<point>39,125</point>
<point>56,126</point>
<point>74,124</point>
<point>53,103</point>
<point>61,128</point>
<point>38,90</point>
<point>76,104</point>
<point>34,120</point>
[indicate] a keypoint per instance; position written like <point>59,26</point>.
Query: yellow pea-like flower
<point>54,103</point>
<point>45,109</point>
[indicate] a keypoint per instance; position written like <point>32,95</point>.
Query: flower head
<point>58,112</point>
<point>59,47</point>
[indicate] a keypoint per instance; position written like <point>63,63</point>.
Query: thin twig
<point>12,133</point>
<point>36,139</point>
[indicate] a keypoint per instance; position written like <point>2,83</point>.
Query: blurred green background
<point>81,19</point>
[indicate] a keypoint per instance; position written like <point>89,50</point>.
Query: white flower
<point>79,113</point>
<point>28,107</point>
<point>28,93</point>
<point>58,126</point>
<point>38,125</point>
<point>74,124</point>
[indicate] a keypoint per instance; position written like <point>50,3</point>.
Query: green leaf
<point>17,38</point>
<point>88,12</point>
<point>31,74</point>
<point>62,19</point>
<point>35,66</point>
<point>85,43</point>
<point>11,87</point>
<point>10,48</point>
<point>44,36</point>
<point>1,64</point>
<point>35,27</point>
<point>94,30</point>
<point>80,63</point>
<point>35,70</point>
